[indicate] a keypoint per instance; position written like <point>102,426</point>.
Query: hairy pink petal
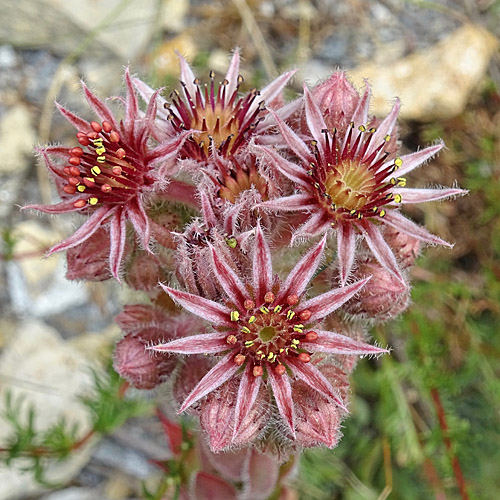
<point>411,195</point>
<point>309,374</point>
<point>314,120</point>
<point>77,122</point>
<point>380,248</point>
<point>131,104</point>
<point>101,110</point>
<point>58,208</point>
<point>233,71</point>
<point>346,243</point>
<point>247,394</point>
<point>283,395</point>
<point>117,237</point>
<point>262,266</point>
<point>91,225</point>
<point>290,169</point>
<point>304,270</point>
<point>293,203</point>
<point>207,210</point>
<point>360,116</point>
<point>219,374</point>
<point>137,215</point>
<point>318,223</point>
<point>413,160</point>
<point>385,128</point>
<point>273,89</point>
<point>293,140</point>
<point>322,305</point>
<point>204,308</point>
<point>229,280</point>
<point>169,149</point>
<point>187,75</point>
<point>401,223</point>
<point>205,343</point>
<point>336,343</point>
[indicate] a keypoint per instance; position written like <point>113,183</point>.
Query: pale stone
<point>37,285</point>
<point>165,62</point>
<point>50,375</point>
<point>17,137</point>
<point>173,15</point>
<point>434,84</point>
<point>64,25</point>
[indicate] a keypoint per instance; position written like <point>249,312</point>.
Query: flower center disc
<point>350,185</point>
<point>217,125</point>
<point>267,333</point>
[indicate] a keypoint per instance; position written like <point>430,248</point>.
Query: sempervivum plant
<point>203,191</point>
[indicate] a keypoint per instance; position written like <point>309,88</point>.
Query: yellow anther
<point>360,216</point>
<point>93,201</point>
<point>282,350</point>
<point>100,150</point>
<point>373,130</point>
<point>298,328</point>
<point>402,181</point>
<point>252,319</point>
<point>398,162</point>
<point>352,212</point>
<point>97,142</point>
<point>296,341</point>
<point>387,138</point>
<point>375,209</point>
<point>249,343</point>
<point>393,181</point>
<point>397,198</point>
<point>232,242</point>
<point>101,159</point>
<point>290,314</point>
<point>362,128</point>
<point>95,170</point>
<point>245,330</point>
<point>278,309</point>
<point>81,188</point>
<point>270,356</point>
<point>235,316</point>
<point>294,346</point>
<point>382,213</point>
<point>264,310</point>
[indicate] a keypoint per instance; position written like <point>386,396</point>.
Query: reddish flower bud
<point>405,247</point>
<point>139,366</point>
<point>383,297</point>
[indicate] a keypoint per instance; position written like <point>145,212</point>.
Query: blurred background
<point>424,421</point>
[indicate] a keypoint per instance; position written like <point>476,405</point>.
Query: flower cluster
<point>220,204</point>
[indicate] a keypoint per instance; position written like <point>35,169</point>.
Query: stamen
<point>235,315</point>
<point>239,359</point>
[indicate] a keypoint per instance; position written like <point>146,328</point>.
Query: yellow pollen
<point>249,343</point>
<point>95,170</point>
<point>295,341</point>
<point>101,150</point>
<point>382,213</point>
<point>290,314</point>
<point>298,328</point>
<point>387,138</point>
<point>397,198</point>
<point>252,319</point>
<point>93,201</point>
<point>264,310</point>
<point>235,316</point>
<point>398,162</point>
<point>278,309</point>
<point>362,128</point>
<point>81,188</point>
<point>401,181</point>
<point>101,159</point>
<point>245,330</point>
